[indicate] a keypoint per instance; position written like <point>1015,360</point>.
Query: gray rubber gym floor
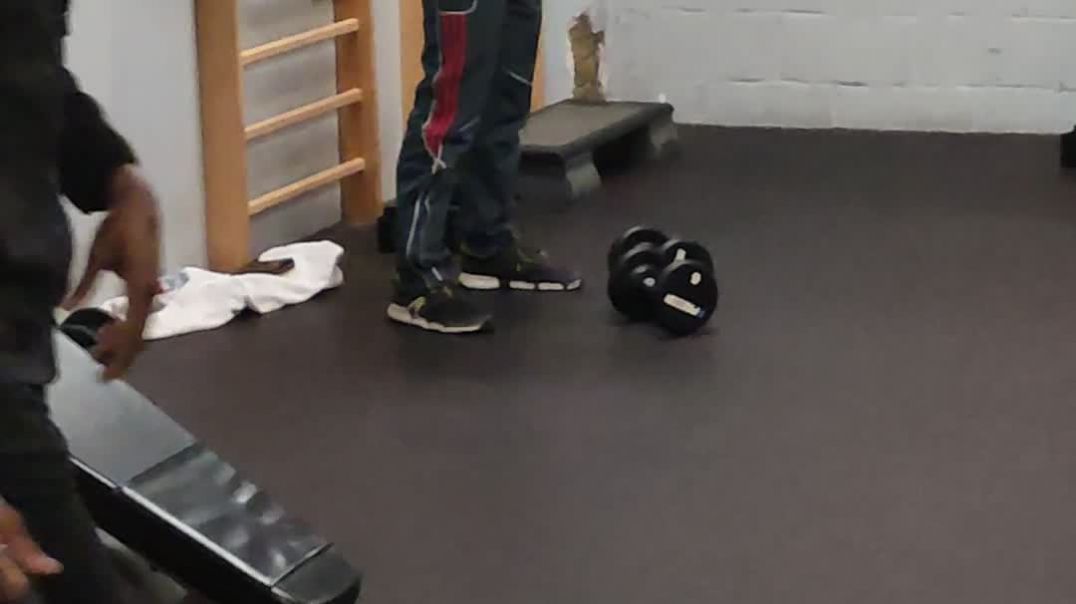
<point>882,413</point>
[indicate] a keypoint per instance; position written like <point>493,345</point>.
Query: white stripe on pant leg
<point>429,213</point>
<point>429,194</point>
<point>414,228</point>
<point>439,162</point>
<point>422,203</point>
<point>471,124</point>
<point>515,76</point>
<point>469,11</point>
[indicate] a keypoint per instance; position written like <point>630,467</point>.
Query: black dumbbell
<point>672,285</point>
<point>1068,149</point>
<point>84,326</point>
<point>386,230</point>
<point>675,250</point>
<point>631,238</point>
<point>672,249</point>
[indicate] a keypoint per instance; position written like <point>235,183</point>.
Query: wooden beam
<point>283,45</point>
<point>306,185</point>
<point>303,114</point>
<point>538,87</point>
<point>223,141</point>
<point>361,198</point>
<point>412,41</point>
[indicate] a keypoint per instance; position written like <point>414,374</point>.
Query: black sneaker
<point>519,268</point>
<point>443,310</point>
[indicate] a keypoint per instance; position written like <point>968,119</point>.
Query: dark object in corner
<point>1068,149</point>
<point>268,267</point>
<point>386,230</point>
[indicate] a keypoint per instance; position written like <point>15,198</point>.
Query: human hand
<point>127,244</point>
<point>20,557</point>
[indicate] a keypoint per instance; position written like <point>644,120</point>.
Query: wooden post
<point>412,40</point>
<point>538,88</point>
<point>223,139</point>
<point>361,193</point>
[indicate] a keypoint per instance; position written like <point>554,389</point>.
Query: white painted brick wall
<point>953,65</point>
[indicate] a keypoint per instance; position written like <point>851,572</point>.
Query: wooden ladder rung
<point>303,114</point>
<point>310,183</point>
<point>283,45</point>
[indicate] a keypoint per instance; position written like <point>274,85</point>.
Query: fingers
<point>34,561</point>
<point>120,343</point>
<point>128,244</point>
<point>13,582</point>
<point>19,547</point>
<point>118,366</point>
<point>14,574</point>
<point>106,352</point>
<point>118,346</point>
<point>140,263</point>
<point>19,556</point>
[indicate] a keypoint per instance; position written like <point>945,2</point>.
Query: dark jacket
<point>53,140</point>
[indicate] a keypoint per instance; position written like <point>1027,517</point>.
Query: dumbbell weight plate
<point>630,286</point>
<point>676,250</point>
<point>685,297</point>
<point>631,238</point>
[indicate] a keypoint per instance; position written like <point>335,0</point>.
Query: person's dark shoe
<point>519,268</point>
<point>444,310</point>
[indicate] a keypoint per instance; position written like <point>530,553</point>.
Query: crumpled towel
<point>204,300</point>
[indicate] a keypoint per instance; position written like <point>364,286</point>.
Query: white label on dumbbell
<point>682,305</point>
<point>650,282</point>
<point>681,254</point>
<point>696,278</point>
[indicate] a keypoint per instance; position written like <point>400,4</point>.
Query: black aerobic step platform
<point>560,141</point>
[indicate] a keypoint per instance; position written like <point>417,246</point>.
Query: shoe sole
<point>401,314</point>
<point>487,283</point>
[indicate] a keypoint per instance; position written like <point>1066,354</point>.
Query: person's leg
<point>37,479</point>
<point>488,187</point>
<point>492,257</point>
<point>460,58</point>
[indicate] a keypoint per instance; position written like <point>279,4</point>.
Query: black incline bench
<point>153,487</point>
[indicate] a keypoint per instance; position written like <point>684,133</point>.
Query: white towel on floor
<point>205,300</point>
